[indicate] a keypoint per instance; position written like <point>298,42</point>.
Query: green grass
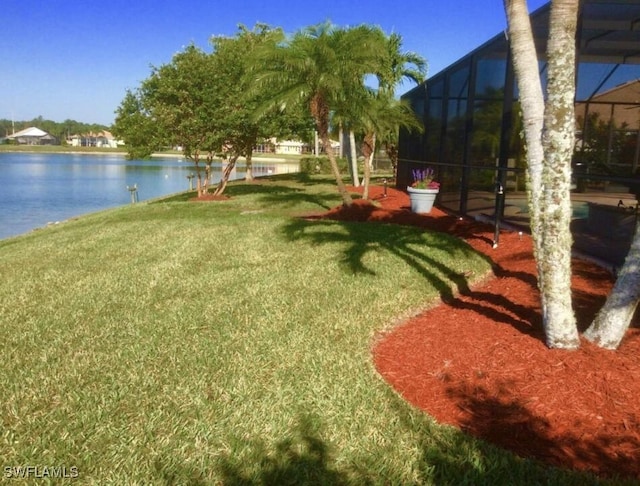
<point>228,343</point>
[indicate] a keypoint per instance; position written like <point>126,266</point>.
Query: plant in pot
<point>423,190</point>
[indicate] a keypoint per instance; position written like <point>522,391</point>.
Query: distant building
<point>91,139</point>
<point>620,105</point>
<point>295,147</point>
<point>33,136</point>
<point>275,146</point>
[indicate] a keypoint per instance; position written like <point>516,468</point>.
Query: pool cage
<point>472,125</point>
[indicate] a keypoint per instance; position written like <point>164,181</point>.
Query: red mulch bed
<point>479,362</point>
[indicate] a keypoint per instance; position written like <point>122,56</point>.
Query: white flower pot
<point>422,199</point>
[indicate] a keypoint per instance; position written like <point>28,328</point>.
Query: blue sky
<point>74,59</point>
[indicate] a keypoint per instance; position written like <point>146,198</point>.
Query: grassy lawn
<point>228,343</point>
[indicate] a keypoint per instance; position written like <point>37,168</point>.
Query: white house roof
<point>29,132</point>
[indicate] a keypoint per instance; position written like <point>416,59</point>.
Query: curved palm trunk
<point>320,112</point>
<point>613,320</point>
<point>368,150</point>
<point>548,180</point>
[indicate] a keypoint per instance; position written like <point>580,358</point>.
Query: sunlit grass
<point>228,342</point>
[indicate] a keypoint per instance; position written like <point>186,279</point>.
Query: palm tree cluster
<point>328,71</point>
<point>262,83</point>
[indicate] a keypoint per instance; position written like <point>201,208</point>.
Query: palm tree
<point>319,67</point>
<point>382,117</point>
<point>400,66</point>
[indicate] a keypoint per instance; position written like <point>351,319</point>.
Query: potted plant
<point>423,190</point>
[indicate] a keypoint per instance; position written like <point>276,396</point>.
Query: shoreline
<point>17,227</point>
<point>257,158</point>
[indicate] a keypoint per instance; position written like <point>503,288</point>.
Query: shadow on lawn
<point>446,457</point>
<point>270,192</point>
<point>303,458</point>
<point>508,423</point>
<point>409,246</point>
<point>452,457</point>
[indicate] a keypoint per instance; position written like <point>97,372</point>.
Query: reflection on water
<point>37,189</point>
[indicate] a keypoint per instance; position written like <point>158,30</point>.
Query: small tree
<point>180,97</point>
<point>134,125</point>
<point>237,128</point>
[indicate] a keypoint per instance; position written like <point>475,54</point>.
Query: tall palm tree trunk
<point>547,163</point>
<point>558,141</point>
<point>612,321</point>
<point>354,158</point>
<point>368,150</point>
<point>347,200</point>
<point>320,113</point>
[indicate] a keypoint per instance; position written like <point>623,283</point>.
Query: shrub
<point>320,165</point>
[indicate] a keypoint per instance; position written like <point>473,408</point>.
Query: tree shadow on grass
<point>500,418</point>
<point>269,192</point>
<point>416,249</point>
<point>451,457</point>
<point>302,458</point>
<point>446,457</point>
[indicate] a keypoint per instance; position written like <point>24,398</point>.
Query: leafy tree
<point>199,101</point>
<point>238,128</point>
<point>181,99</point>
<point>134,125</point>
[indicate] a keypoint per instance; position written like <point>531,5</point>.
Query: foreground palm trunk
<point>549,135</point>
<point>613,320</point>
<point>558,143</point>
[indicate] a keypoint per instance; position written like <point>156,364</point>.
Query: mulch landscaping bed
<point>478,361</point>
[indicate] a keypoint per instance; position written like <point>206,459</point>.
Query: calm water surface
<point>40,189</point>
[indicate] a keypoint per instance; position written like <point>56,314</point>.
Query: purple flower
<point>423,179</point>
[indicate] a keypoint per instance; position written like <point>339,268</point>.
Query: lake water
<point>39,189</point>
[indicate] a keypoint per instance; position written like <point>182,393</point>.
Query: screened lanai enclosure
<point>472,130</point>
